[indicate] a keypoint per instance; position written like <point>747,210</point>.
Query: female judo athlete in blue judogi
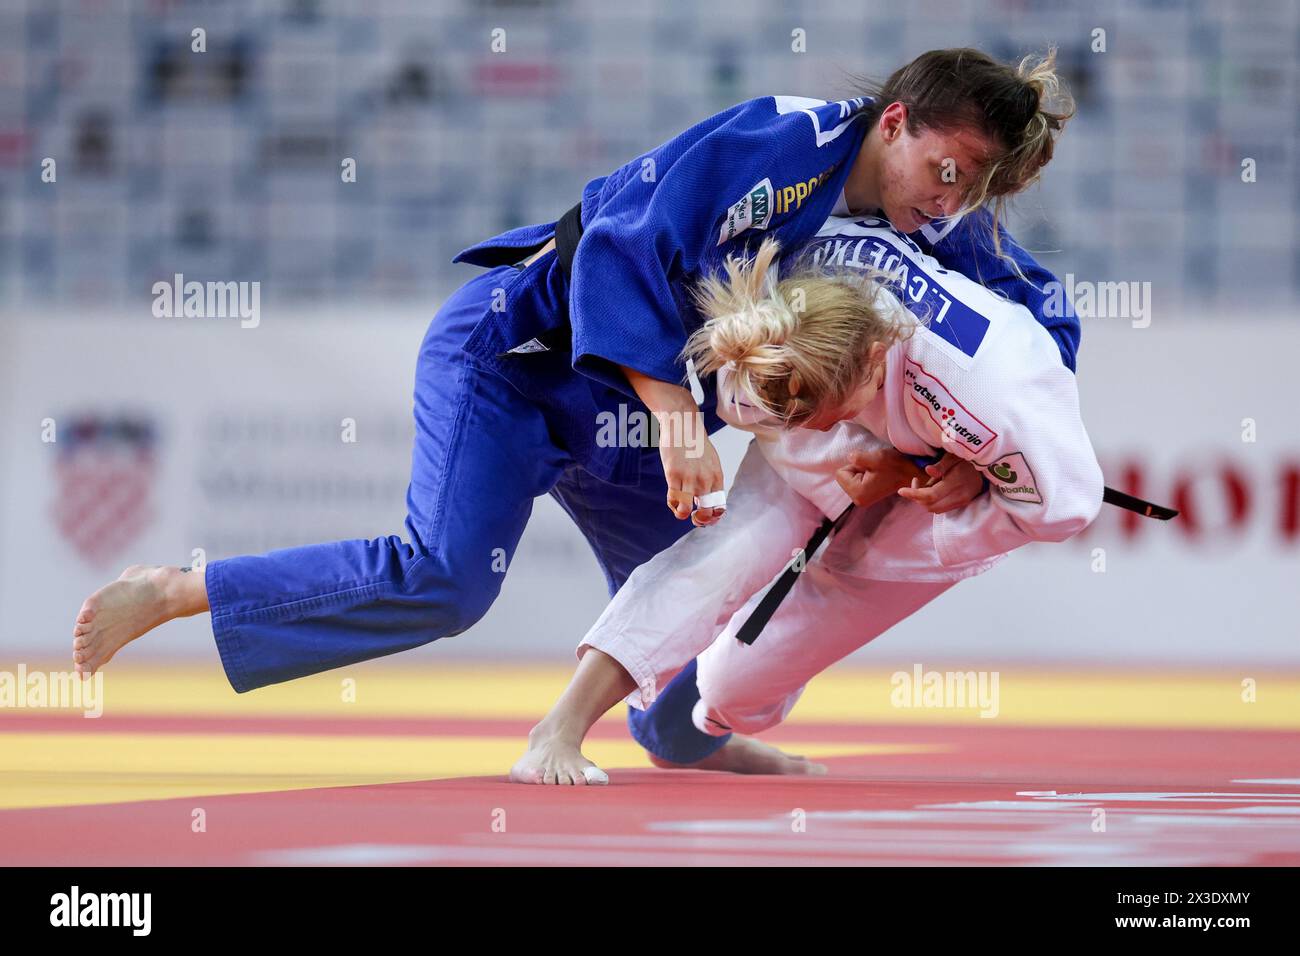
<point>519,364</point>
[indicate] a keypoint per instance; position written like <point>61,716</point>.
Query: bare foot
<point>747,755</point>
<point>552,758</point>
<point>137,602</point>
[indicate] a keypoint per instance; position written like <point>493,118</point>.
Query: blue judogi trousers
<point>482,453</point>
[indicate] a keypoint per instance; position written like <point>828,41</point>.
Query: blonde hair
<point>795,345</point>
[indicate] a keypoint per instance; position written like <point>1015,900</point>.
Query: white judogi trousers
<point>691,599</point>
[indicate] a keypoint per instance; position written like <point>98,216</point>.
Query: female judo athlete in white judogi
<point>976,377</point>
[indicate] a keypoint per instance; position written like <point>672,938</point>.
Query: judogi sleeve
<point>968,249</point>
<point>1044,480</point>
<point>655,224</point>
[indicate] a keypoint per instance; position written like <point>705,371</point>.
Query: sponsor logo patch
<point>754,209</point>
<point>952,418</point>
<point>1014,480</point>
<point>532,345</point>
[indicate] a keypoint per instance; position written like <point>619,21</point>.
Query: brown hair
<point>1021,109</point>
<point>796,345</point>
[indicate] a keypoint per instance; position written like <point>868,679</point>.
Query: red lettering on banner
<point>1218,501</point>
<point>1290,487</point>
<point>1236,494</point>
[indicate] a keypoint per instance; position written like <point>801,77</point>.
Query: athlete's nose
<point>942,204</point>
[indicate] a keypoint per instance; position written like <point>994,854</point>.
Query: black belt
<point>1130,503</point>
<point>567,233</point>
<point>759,617</point>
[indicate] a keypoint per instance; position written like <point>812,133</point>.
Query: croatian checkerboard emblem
<point>104,473</point>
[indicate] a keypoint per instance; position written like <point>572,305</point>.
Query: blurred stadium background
<point>185,434</point>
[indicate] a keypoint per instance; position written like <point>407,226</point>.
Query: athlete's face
<point>923,176</point>
<point>862,396</point>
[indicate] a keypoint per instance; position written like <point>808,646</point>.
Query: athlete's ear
<point>893,120</point>
<point>876,362</point>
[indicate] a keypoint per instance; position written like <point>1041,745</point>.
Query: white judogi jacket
<point>982,379</point>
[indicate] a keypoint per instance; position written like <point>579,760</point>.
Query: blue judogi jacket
<point>775,165</point>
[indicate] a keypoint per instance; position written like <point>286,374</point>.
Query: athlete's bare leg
<point>137,602</point>
<point>554,752</point>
